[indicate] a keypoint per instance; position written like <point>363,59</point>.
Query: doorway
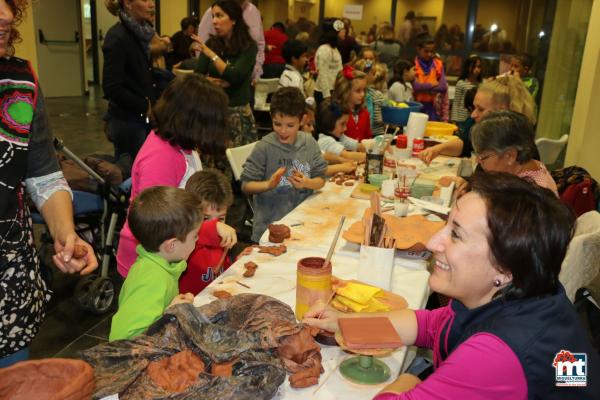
<point>96,21</point>
<point>59,47</point>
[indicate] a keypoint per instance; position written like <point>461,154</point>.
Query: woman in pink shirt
<point>509,327</point>
<point>190,118</point>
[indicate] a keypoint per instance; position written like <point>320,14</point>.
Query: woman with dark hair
<point>191,120</point>
<point>127,80</point>
<point>227,60</point>
<point>504,141</point>
<point>328,60</point>
<point>28,168</point>
<point>509,324</point>
<point>347,44</point>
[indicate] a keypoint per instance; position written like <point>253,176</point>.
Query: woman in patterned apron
<point>28,166</point>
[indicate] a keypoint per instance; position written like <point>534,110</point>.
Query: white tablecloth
<point>313,225</point>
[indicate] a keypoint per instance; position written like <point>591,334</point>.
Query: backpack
<point>577,188</point>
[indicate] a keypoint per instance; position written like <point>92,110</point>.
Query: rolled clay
<point>79,251</point>
<point>273,250</point>
<point>176,373</point>
<point>223,369</point>
<point>278,233</point>
<point>221,294</point>
<point>250,269</point>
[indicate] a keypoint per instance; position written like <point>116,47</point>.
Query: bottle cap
<point>401,141</point>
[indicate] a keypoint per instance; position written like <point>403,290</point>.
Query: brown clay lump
<point>278,233</point>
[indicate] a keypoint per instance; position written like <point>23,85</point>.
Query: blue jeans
<point>127,136</point>
<point>21,355</point>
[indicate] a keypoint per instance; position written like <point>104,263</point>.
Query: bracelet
<point>214,58</point>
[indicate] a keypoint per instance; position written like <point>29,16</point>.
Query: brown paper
<point>410,232</point>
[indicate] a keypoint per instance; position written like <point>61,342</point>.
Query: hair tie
<point>310,101</point>
<point>338,25</point>
<point>348,72</point>
<point>335,109</point>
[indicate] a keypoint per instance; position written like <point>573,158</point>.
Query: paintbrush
<point>221,261</point>
<point>335,239</point>
<point>326,305</point>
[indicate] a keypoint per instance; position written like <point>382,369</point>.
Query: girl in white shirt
<point>400,87</point>
<point>328,61</point>
<point>331,121</point>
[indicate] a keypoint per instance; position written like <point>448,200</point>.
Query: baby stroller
<point>97,217</point>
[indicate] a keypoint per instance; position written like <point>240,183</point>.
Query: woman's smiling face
<point>463,266</point>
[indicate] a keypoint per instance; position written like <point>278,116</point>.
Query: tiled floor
<point>68,329</point>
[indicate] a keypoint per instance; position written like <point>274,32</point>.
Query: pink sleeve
<point>208,236</point>
<point>159,165</point>
<point>483,367</point>
<point>429,322</point>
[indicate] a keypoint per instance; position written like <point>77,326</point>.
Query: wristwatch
<point>214,58</point>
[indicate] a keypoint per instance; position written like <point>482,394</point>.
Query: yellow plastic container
<point>367,188</point>
<point>313,284</point>
<point>434,128</point>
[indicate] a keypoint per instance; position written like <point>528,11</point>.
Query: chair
<point>581,265</point>
<point>550,148</point>
<point>237,157</point>
<point>264,87</point>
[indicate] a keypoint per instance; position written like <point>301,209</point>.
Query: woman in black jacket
<point>128,81</point>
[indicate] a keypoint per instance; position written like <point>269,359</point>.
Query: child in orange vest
<point>430,79</point>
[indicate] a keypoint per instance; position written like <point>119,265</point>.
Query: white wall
<point>584,140</point>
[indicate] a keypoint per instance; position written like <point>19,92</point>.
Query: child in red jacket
<point>208,260</point>
<point>350,91</point>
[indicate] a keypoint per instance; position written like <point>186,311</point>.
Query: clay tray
<point>392,300</point>
<point>364,352</point>
<point>411,233</point>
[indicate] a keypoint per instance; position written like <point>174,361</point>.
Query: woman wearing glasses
<point>503,141</point>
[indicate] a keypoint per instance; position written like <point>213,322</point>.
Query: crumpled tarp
<point>246,327</point>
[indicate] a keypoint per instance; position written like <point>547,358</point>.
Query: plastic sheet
<point>247,328</point>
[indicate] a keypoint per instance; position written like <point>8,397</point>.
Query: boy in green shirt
<point>521,65</point>
<point>165,221</point>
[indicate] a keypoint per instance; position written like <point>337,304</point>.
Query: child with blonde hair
<point>376,89</point>
<point>350,92</point>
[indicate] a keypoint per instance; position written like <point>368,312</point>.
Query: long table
<point>313,224</point>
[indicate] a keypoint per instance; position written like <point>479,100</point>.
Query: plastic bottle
<point>401,151</point>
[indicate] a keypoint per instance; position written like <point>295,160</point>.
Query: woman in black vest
<point>510,332</point>
<point>127,79</point>
<point>29,166</point>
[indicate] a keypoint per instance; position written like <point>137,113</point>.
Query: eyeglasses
<point>481,158</point>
